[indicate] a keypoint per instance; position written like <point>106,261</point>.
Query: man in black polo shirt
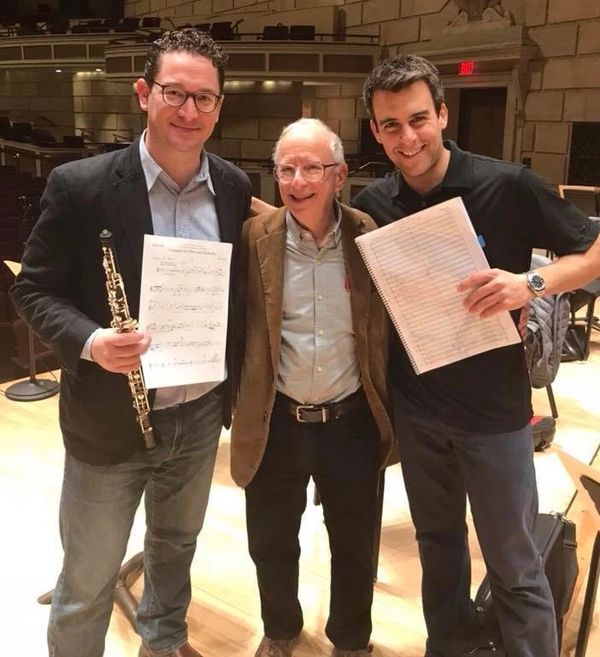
<point>463,429</point>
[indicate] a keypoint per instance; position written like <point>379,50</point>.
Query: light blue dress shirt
<point>190,213</point>
<point>317,357</point>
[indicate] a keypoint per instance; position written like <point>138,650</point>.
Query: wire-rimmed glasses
<point>311,172</point>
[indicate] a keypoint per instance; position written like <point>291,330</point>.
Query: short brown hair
<point>399,72</point>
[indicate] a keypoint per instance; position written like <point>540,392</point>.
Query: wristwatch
<point>536,283</point>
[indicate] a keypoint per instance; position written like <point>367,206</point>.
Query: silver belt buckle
<point>312,407</point>
<point>303,407</point>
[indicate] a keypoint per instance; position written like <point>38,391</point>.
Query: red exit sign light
<point>466,68</point>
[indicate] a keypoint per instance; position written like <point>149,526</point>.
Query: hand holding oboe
<point>119,352</point>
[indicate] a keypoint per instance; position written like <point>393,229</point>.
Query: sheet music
<point>416,264</point>
<point>183,305</point>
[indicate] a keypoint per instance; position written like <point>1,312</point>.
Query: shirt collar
<point>459,174</point>
<point>152,170</point>
<point>299,233</point>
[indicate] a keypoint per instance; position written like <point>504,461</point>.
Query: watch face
<point>536,282</point>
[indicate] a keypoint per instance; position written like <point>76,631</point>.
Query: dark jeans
<point>441,467</point>
<point>342,458</point>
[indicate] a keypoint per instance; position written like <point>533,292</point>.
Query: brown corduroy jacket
<point>260,299</point>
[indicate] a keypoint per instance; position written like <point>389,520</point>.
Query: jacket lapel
<point>360,281</point>
<point>132,208</point>
<point>224,188</point>
<point>270,251</point>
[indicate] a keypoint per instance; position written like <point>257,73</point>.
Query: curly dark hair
<point>399,72</point>
<point>187,39</point>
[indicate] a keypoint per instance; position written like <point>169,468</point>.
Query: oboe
<point>124,323</point>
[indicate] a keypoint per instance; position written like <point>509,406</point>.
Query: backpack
<point>547,326</point>
<point>555,538</point>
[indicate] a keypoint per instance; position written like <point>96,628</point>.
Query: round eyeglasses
<point>312,172</point>
<point>176,97</point>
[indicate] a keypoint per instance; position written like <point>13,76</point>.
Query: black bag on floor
<point>555,538</point>
<point>543,428</point>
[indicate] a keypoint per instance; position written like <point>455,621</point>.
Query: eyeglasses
<point>312,172</point>
<point>175,97</point>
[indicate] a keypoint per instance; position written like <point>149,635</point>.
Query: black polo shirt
<point>513,211</point>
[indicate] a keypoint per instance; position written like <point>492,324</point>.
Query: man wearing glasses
<point>312,400</point>
<point>167,184</point>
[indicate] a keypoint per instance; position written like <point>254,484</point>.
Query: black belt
<point>325,412</point>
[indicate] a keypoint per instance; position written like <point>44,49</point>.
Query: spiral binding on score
<point>384,300</point>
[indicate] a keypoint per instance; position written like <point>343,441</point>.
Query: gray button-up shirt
<point>317,358</point>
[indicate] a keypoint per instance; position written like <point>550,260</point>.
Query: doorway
<point>481,121</point>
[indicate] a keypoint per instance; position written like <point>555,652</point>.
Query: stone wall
<point>105,110</point>
<point>565,74</point>
<point>252,117</point>
<point>564,84</point>
<point>565,79</point>
<point>44,98</point>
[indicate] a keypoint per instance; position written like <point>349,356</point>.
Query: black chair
<point>302,32</point>
<point>110,24</point>
<point>203,27</point>
<point>58,26</point>
<point>21,131</point>
<point>222,31</point>
<point>96,26</point>
<point>279,32</point>
<point>151,21</point>
<point>577,344</point>
<point>43,137</point>
<point>129,24</point>
<point>73,141</point>
<point>79,28</point>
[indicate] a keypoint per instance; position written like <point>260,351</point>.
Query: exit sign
<point>466,68</point>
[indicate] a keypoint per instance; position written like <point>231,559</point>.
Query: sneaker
<point>276,647</point>
<point>362,652</point>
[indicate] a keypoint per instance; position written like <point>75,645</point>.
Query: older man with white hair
<point>312,400</point>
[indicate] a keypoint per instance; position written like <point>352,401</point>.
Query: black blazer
<point>61,290</point>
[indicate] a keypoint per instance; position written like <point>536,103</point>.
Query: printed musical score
<point>184,305</point>
<point>416,264</point>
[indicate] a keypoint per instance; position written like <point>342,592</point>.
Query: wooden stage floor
<point>224,618</point>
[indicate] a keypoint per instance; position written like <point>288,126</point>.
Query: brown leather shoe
<point>184,651</point>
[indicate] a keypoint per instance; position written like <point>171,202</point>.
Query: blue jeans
<point>441,467</point>
<point>97,508</point>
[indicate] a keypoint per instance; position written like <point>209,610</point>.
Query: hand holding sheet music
<point>416,264</point>
<point>183,305</point>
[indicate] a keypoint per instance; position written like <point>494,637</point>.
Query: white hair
<point>335,143</point>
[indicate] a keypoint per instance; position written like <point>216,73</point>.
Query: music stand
<point>33,389</point>
<point>587,482</point>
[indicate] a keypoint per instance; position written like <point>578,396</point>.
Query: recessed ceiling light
<point>59,70</point>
